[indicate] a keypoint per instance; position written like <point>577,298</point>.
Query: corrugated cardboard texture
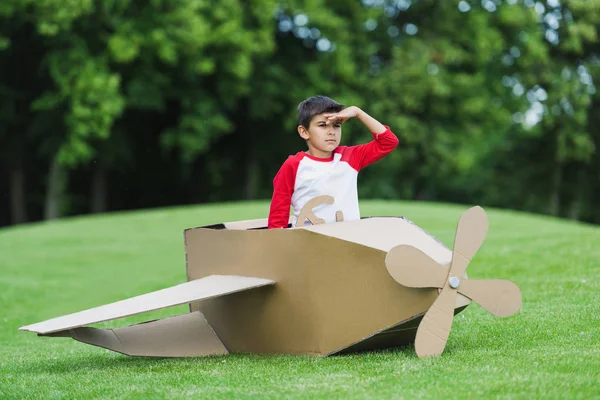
<point>435,328</point>
<point>187,335</point>
<point>500,297</point>
<point>280,318</point>
<point>184,293</point>
<point>354,295</point>
<point>411,267</point>
<point>330,293</point>
<point>384,233</point>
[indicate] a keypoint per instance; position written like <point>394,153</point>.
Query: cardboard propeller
<point>412,268</point>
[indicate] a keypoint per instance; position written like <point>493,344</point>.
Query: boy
<point>326,168</point>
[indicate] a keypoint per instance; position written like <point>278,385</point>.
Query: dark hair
<point>314,106</point>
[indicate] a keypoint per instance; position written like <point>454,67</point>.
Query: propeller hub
<point>454,282</point>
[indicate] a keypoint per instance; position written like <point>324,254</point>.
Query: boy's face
<point>322,136</point>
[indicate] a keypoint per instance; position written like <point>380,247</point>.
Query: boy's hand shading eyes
<point>343,115</point>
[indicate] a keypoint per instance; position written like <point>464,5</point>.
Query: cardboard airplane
<point>317,288</point>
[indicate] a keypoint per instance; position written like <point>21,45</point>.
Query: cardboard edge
<point>27,328</point>
<point>241,225</point>
<point>188,278</point>
<point>462,300</point>
<point>457,310</point>
<point>108,338</point>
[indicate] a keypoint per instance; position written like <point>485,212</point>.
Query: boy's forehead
<point>320,118</point>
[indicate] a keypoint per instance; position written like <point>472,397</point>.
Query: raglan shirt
<point>302,177</point>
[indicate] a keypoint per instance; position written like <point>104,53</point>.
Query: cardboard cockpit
<point>320,289</point>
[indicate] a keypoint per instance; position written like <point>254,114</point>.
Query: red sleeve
<point>365,154</point>
<point>283,188</point>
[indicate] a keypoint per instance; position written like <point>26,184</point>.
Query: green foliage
<point>196,54</point>
<point>55,16</point>
<point>494,102</point>
<point>91,93</point>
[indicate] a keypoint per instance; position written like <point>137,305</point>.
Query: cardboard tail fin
<point>187,335</point>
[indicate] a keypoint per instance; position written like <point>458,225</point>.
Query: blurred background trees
<point>119,104</point>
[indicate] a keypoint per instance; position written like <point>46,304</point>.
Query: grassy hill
<point>550,349</point>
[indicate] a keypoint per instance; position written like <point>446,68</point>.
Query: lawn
<point>549,349</point>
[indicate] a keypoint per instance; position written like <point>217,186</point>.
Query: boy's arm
<point>371,123</point>
<point>283,188</point>
<point>354,112</point>
<point>366,154</point>
<point>384,139</point>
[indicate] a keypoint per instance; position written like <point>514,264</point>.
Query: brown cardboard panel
<point>354,295</point>
<point>462,301</point>
<point>279,320</point>
<point>261,223</point>
<point>245,225</point>
<point>500,297</point>
<point>210,286</point>
<point>330,292</point>
<point>187,335</point>
<point>470,234</point>
<point>435,327</point>
<point>399,335</point>
<point>378,300</point>
<point>333,292</point>
<point>384,233</point>
<point>411,267</point>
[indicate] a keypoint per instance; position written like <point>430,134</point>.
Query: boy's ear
<point>303,132</point>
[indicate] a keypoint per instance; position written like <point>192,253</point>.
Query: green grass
<point>549,349</point>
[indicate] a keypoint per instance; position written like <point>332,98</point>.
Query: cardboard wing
<point>183,335</point>
<point>347,286</point>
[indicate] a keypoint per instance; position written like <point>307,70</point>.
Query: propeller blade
<point>411,267</point>
<point>434,329</point>
<point>470,234</point>
<point>500,297</point>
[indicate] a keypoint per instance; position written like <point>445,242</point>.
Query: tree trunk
<point>99,189</point>
<point>55,190</point>
<point>575,208</point>
<point>18,208</point>
<point>251,179</point>
<point>554,206</point>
